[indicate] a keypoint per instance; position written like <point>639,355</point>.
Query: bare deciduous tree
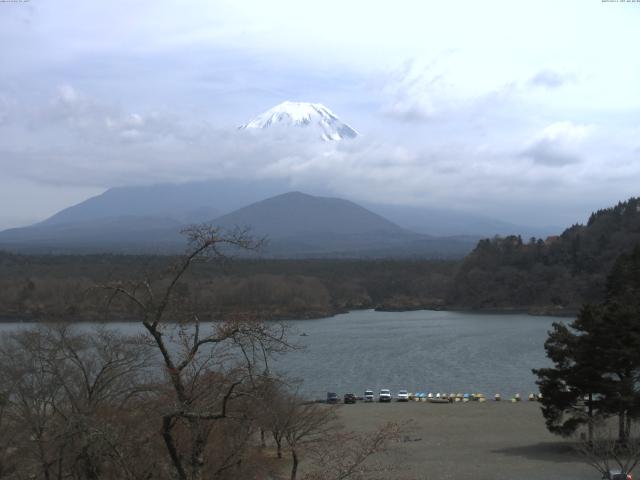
<point>209,373</point>
<point>309,424</point>
<point>66,398</point>
<point>347,455</point>
<point>606,453</point>
<point>274,411</point>
<point>184,400</point>
<point>312,430</point>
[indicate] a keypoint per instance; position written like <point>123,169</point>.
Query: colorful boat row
<point>385,395</point>
<point>466,397</point>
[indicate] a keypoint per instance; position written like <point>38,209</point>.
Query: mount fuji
<point>314,117</point>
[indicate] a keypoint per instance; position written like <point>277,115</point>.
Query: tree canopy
<point>597,358</point>
<point>557,273</point>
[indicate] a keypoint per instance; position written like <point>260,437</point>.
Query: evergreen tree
<point>597,358</point>
<point>572,389</point>
<point>620,327</point>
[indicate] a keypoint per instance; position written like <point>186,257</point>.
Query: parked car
<point>368,395</point>
<point>385,395</point>
<point>332,397</point>
<point>349,398</point>
<point>403,396</point>
<point>617,475</point>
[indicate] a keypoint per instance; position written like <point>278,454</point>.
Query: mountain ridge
<point>297,224</point>
<point>172,200</point>
<point>297,207</point>
<point>196,202</point>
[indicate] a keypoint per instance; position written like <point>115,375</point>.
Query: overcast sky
<point>525,111</point>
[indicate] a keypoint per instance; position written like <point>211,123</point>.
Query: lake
<point>430,351</point>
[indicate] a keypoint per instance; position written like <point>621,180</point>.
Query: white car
<point>385,395</point>
<point>403,396</point>
<point>368,395</point>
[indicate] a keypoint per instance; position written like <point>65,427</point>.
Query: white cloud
<point>74,116</point>
<point>7,105</point>
<point>558,144</point>
<point>67,94</point>
<point>566,133</point>
<point>86,142</point>
<point>551,78</point>
<point>140,103</point>
<point>417,92</point>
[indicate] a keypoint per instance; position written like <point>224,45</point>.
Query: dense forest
<point>554,275</point>
<point>68,286</point>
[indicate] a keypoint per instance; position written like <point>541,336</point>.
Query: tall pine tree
<point>597,358</point>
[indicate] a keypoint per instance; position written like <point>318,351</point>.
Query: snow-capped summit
<point>313,116</point>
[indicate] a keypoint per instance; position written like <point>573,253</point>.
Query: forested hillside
<point>555,274</point>
<point>54,287</point>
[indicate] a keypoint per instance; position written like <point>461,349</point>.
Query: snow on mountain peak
<point>314,116</point>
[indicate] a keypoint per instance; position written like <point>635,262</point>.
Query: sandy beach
<point>480,441</point>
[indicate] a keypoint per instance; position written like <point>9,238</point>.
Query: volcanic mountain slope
<point>297,214</point>
<point>313,117</point>
<point>296,225</point>
<point>190,202</point>
<point>301,225</point>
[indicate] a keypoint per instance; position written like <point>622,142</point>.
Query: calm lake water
<point>424,350</point>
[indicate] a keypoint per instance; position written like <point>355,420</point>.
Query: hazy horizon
<point>527,113</point>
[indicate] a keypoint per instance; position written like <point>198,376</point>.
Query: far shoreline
<point>533,312</point>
